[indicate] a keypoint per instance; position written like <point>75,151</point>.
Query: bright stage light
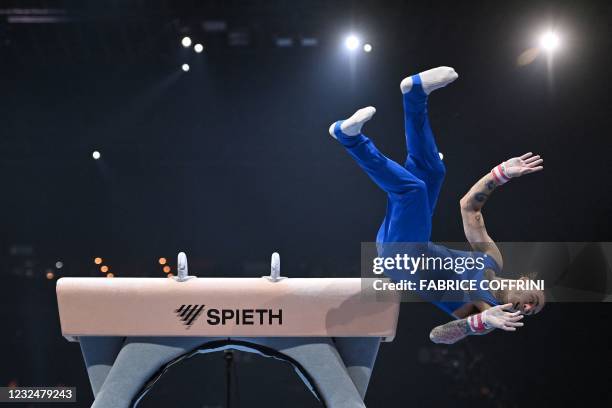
<point>59,264</point>
<point>352,42</point>
<point>185,67</point>
<point>549,41</point>
<point>198,48</point>
<point>367,47</point>
<point>186,41</point>
<point>441,155</point>
<point>96,155</point>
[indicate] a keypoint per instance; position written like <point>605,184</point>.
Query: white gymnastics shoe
<point>352,126</point>
<point>431,79</point>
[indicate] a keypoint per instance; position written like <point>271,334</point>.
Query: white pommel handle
<point>182,268</point>
<point>275,268</point>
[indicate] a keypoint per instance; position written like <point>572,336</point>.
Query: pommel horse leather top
<point>222,307</point>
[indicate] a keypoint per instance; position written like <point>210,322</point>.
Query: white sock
<point>431,79</point>
<point>352,126</point>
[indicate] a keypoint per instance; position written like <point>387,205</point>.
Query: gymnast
<point>412,191</point>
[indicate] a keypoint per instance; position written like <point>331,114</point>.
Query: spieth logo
<point>188,314</point>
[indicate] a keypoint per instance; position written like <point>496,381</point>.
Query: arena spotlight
<point>441,155</point>
<point>198,48</point>
<point>186,42</point>
<point>96,155</point>
<point>367,47</point>
<point>549,41</point>
<point>185,67</point>
<point>59,264</point>
<point>352,42</point>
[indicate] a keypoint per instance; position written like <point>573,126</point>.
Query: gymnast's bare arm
<point>452,332</point>
<point>472,203</point>
<point>498,317</point>
<point>473,222</point>
<point>490,318</point>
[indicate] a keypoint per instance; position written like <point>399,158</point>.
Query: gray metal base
<point>339,368</point>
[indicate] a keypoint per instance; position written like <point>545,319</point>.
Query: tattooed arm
<point>498,317</point>
<point>473,222</point>
<point>475,199</point>
<point>453,331</point>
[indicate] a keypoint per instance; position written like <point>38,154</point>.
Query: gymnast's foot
<point>352,126</point>
<point>431,79</point>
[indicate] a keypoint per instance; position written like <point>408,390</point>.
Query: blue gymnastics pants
<point>412,189</point>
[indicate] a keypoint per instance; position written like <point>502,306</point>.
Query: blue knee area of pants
<point>432,174</point>
<point>432,170</point>
<point>414,188</point>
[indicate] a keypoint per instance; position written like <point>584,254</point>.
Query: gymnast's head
<point>528,301</point>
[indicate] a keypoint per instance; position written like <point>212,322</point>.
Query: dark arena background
<point>112,148</point>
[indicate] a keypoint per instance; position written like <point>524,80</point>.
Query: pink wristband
<point>476,322</point>
<point>499,174</point>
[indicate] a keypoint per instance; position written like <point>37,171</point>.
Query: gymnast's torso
<point>456,303</point>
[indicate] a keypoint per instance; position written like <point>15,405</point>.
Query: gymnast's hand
<point>525,164</point>
<point>502,317</point>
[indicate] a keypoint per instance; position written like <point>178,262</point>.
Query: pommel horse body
<point>130,328</point>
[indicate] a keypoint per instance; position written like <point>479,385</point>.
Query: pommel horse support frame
<point>130,329</point>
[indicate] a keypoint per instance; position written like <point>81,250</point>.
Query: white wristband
<point>499,174</point>
<point>476,322</point>
<point>484,320</point>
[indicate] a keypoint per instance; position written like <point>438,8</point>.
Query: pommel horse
<point>129,329</point>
